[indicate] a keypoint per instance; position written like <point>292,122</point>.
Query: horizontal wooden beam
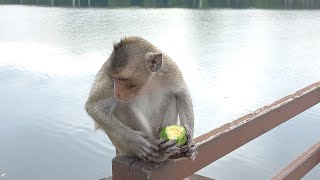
<point>192,177</point>
<point>300,166</point>
<point>225,139</point>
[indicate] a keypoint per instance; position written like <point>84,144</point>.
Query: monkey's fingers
<point>193,155</point>
<point>145,143</point>
<point>192,152</point>
<point>172,149</point>
<point>174,152</point>
<point>141,156</point>
<point>150,152</point>
<point>160,141</point>
<point>145,156</point>
<point>149,158</point>
<point>154,147</point>
<point>144,135</point>
<point>155,155</point>
<point>167,144</point>
<point>186,147</point>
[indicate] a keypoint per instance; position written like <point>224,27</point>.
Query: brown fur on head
<point>131,65</point>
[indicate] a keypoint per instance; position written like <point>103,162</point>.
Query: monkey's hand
<point>190,148</point>
<point>142,147</point>
<point>168,148</point>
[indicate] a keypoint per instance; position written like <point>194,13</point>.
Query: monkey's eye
<point>132,86</point>
<point>123,79</point>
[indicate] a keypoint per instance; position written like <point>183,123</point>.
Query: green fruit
<point>174,132</point>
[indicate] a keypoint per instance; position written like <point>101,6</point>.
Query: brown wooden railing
<point>225,139</point>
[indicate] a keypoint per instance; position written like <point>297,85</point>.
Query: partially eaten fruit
<point>174,132</point>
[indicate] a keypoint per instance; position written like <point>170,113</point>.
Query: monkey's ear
<point>154,61</point>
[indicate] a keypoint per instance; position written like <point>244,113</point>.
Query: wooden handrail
<point>300,166</point>
<point>221,141</point>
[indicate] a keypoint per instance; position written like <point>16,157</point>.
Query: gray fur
<point>134,127</point>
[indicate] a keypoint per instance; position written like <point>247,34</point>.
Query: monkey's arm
<point>185,109</point>
<point>123,136</point>
<point>186,116</point>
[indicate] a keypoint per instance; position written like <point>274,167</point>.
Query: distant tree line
<point>264,4</point>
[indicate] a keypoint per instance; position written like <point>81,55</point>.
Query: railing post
<point>121,167</point>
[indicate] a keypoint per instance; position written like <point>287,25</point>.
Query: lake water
<point>234,62</point>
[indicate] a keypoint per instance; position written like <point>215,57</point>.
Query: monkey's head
<point>131,66</point>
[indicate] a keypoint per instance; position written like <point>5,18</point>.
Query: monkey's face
<point>133,79</point>
<point>125,89</point>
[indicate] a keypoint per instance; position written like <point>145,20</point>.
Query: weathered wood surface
<point>192,177</point>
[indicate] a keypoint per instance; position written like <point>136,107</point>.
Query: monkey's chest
<point>148,111</point>
<point>148,106</point>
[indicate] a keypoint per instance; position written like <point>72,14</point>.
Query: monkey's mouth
<point>124,101</point>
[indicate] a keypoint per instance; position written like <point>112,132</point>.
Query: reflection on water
<point>265,4</point>
<point>234,61</point>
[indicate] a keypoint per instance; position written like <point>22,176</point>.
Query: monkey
<point>138,91</point>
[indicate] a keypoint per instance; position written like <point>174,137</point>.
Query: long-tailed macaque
<point>138,91</point>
